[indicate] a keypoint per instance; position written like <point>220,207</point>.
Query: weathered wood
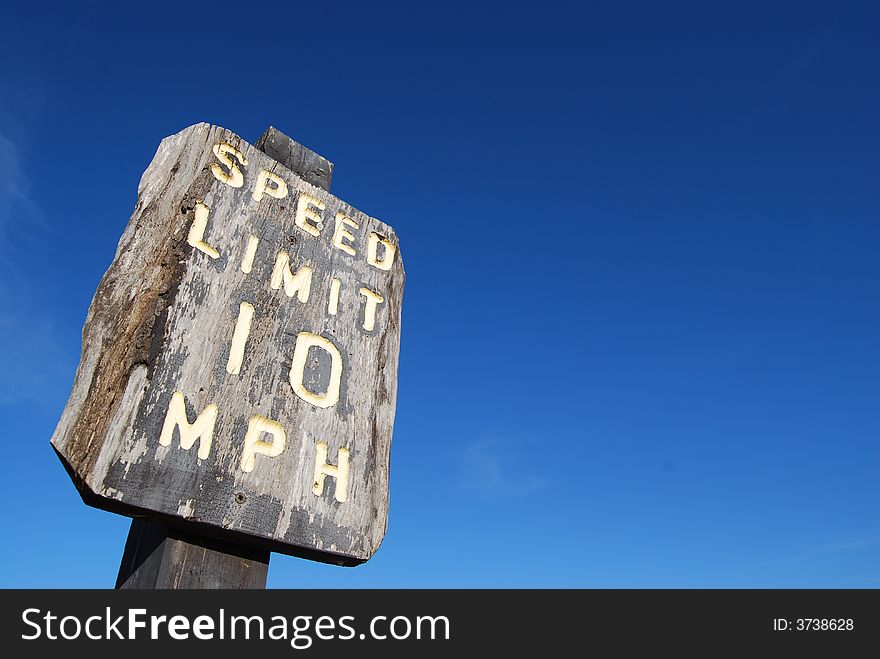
<point>310,166</point>
<point>159,556</point>
<point>162,324</point>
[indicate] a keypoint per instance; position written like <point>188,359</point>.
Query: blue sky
<point>640,326</point>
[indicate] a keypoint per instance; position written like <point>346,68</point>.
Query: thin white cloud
<point>34,359</point>
<point>811,552</point>
<point>11,181</point>
<point>22,223</point>
<point>498,468</point>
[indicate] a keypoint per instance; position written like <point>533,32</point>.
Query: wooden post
<point>160,556</point>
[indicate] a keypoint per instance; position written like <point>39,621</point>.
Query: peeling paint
<point>186,508</point>
<point>162,321</point>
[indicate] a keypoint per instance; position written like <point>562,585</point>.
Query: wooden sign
<point>239,359</point>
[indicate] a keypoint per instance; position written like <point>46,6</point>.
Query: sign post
<point>236,391</point>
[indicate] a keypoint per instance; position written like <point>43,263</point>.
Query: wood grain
<point>160,556</point>
<point>162,321</point>
<point>307,164</point>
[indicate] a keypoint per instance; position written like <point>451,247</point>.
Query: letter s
<point>24,618</point>
<point>234,178</point>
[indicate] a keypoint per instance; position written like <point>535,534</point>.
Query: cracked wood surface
<point>162,321</point>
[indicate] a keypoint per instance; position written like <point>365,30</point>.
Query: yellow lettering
<point>247,263</point>
<point>239,338</point>
<point>196,237</point>
<point>234,178</point>
<point>373,299</point>
<point>388,252</point>
<point>255,445</point>
<point>323,469</point>
<point>202,429</point>
<point>305,341</point>
<point>278,190</point>
<point>299,284</point>
<point>306,217</point>
<point>333,302</point>
<point>341,234</point>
